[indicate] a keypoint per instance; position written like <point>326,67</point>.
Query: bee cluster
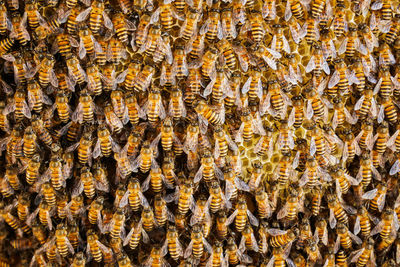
<point>199,133</point>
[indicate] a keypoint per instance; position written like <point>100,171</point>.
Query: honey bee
<point>163,50</point>
<point>173,243</point>
<point>209,60</point>
<point>143,78</point>
<point>19,106</point>
<point>97,16</point>
<point>293,205</point>
<point>317,62</point>
<point>365,254</point>
<point>197,244</point>
<point>146,158</point>
<point>79,260</point>
<point>95,247</point>
<point>134,236</point>
<point>176,105</point>
<point>206,114</point>
<point>19,31</point>
<point>388,225</point>
<point>189,27</point>
<point>250,126</point>
<point>363,222</point>
<point>345,238</point>
<point>88,44</point>
<point>268,55</point>
<point>367,171</point>
<point>75,71</point>
<point>242,215</point>
<point>105,144</point>
<point>248,240</point>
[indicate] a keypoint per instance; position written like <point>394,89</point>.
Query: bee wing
<point>25,110</point>
<point>246,86</point>
<point>288,11</point>
<point>370,194</point>
<point>253,220</point>
<point>231,218</point>
<point>83,15</point>
<point>355,238</point>
<point>282,213</point>
<point>334,79</point>
<point>78,189</point>
<point>343,46</point>
<point>311,65</point>
<point>332,219</point>
<point>188,250</point>
<point>107,21</point>
<point>220,33</point>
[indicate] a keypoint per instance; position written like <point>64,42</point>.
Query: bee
<point>337,211</point>
<point>96,248</point>
<point>4,123</point>
<point>146,158</point>
<point>221,225</point>
<point>88,43</point>
<point>253,85</point>
<point>208,169</point>
<point>321,231</point>
<point>367,171</point>
<point>256,176</point>
<point>343,180</point>
<point>19,31</point>
<point>268,55</point>
<point>19,106</point>
<point>63,109</point>
<point>73,235</point>
<point>209,60</point>
<point>5,23</point>
<point>148,221</point>
<point>351,43</point>
<point>176,105</point>
<point>134,236</point>
<point>97,16</point>
<point>250,126</point>
<point>345,238</point>
<point>217,198</point>
<point>75,71</point>
<point>38,233</point>
<point>124,261</point>
<point>5,45</point>
<point>189,27</point>
<point>292,206</point>
<point>363,222</point>
<point>317,62</point>
<point>389,110</point>
<point>30,142</point>
<point>63,244</point>
<point>184,197</point>
<point>341,114</point>
<point>385,57</point>
<point>179,66</point>
<point>342,77</point>
<point>208,115</point>
<point>340,22</point>
<point>385,7</point>
<point>212,26</point>
<point>195,47</point>
<point>20,68</point>
<point>122,26</point>
<point>365,254</point>
<point>197,243</point>
<point>75,206</point>
<point>94,213</point>
<point>366,104</point>
<point>248,240</point>
<point>242,215</point>
<point>173,243</point>
<point>117,224</point>
<point>131,72</point>
<point>142,29</point>
<point>143,78</point>
<point>79,260</point>
<point>388,226</point>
